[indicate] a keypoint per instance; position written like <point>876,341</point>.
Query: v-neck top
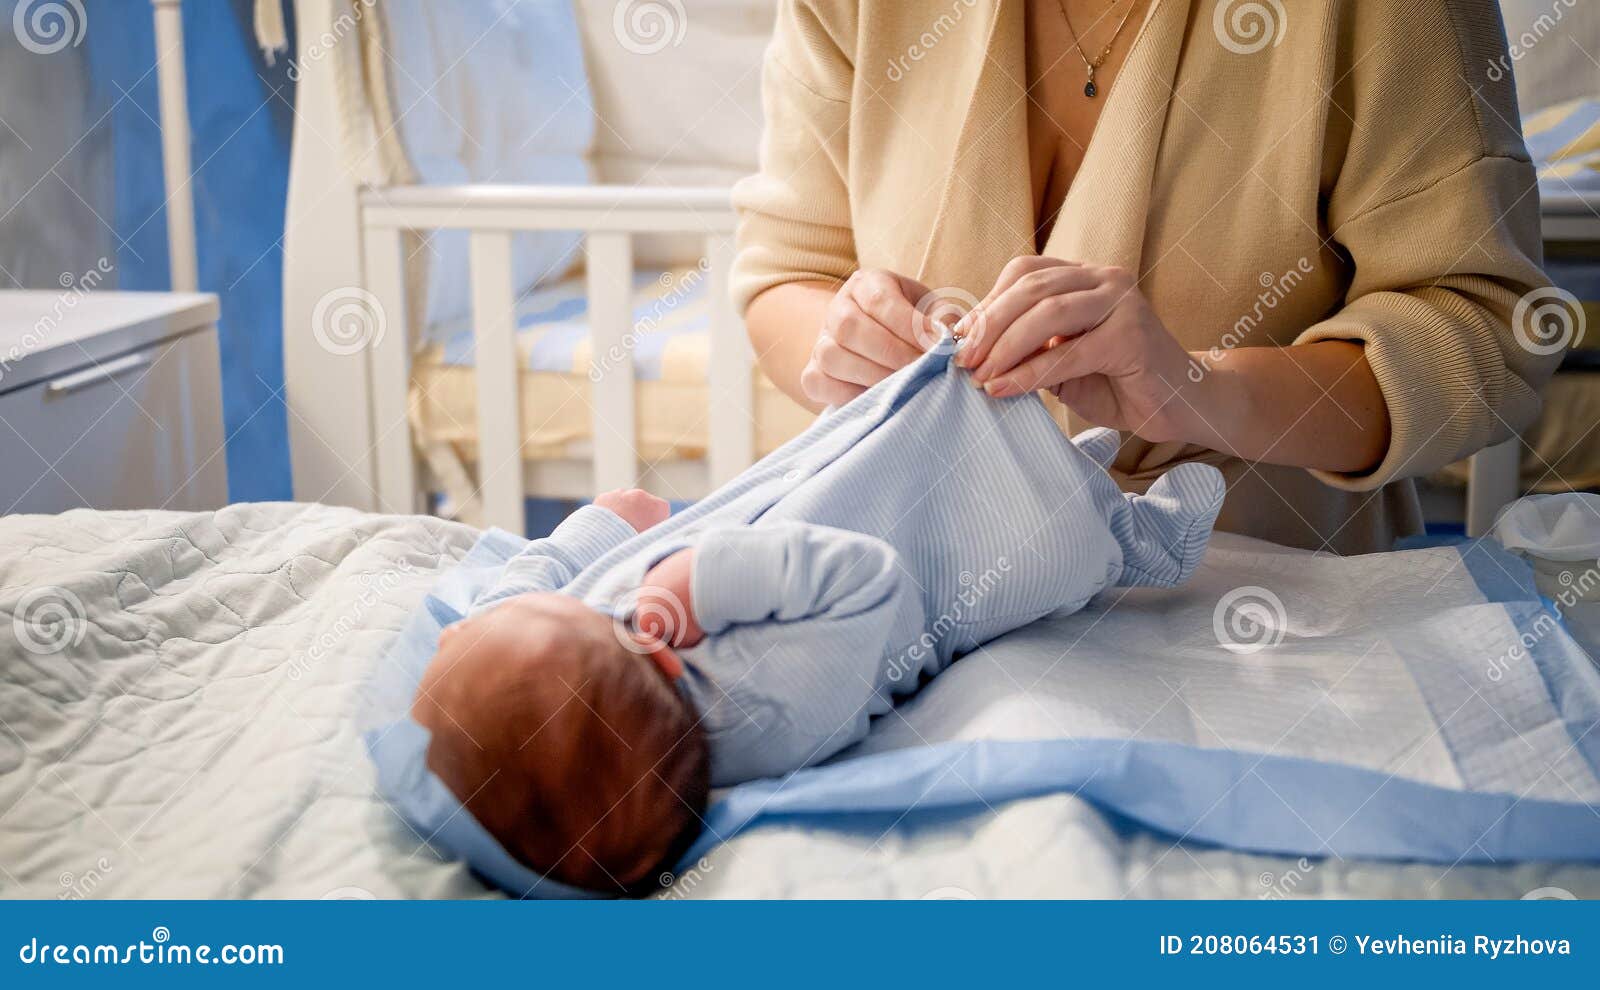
<point>1265,178</point>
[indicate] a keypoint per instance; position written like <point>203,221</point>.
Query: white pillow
<point>490,91</point>
<point>1554,44</point>
<point>677,93</point>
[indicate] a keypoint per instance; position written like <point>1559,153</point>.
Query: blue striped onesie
<point>898,532</point>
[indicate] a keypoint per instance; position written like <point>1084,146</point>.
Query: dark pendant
<point>1090,89</point>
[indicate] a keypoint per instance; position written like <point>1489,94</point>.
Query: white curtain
<point>55,172</point>
<point>1555,46</point>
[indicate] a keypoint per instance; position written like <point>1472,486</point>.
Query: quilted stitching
<point>183,723</point>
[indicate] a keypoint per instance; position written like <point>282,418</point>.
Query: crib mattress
<point>1565,142</point>
<point>192,732</point>
<point>669,345</point>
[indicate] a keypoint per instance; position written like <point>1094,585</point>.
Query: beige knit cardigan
<point>1335,170</point>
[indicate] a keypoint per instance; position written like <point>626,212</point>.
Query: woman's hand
<point>871,330</point>
<point>1089,335</point>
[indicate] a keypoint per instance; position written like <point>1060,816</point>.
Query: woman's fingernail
<point>999,388</point>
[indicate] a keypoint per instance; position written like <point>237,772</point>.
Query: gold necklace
<point>1089,88</point>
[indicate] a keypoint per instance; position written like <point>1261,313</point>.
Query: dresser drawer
<point>137,430</point>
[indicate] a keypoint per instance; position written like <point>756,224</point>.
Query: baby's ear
<point>1100,443</point>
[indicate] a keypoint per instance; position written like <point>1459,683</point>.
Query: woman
<point>1289,240</point>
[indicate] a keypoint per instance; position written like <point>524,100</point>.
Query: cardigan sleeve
<point>1434,200</point>
<point>794,214</point>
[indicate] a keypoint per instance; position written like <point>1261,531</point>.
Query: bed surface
<point>197,740</point>
<point>187,729</point>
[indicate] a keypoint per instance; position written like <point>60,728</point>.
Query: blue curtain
<point>241,115</point>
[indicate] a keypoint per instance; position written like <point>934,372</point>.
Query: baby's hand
<point>638,508</point>
<point>666,607</point>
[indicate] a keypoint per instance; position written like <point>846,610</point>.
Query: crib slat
<point>730,402</point>
<point>390,367</point>
<point>1494,482</point>
<point>497,366</point>
<point>610,285</point>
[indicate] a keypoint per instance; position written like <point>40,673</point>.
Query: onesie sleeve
<point>799,620</point>
<point>550,563</point>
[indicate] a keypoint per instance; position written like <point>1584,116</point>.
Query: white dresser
<point>110,400</point>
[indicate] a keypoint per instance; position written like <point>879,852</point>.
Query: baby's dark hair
<point>589,768</point>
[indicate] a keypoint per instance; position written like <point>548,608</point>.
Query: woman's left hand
<point>1087,334</point>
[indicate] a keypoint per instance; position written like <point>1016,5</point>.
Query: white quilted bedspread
<point>186,730</point>
<point>179,698</point>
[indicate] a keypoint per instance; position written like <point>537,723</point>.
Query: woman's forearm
<point>1312,406</point>
<point>783,323</point>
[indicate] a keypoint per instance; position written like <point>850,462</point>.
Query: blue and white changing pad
<point>1422,705</point>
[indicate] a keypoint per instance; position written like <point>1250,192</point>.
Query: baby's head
<point>574,751</point>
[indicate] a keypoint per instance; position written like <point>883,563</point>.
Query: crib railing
<point>608,217</point>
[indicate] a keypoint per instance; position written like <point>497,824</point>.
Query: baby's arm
<point>787,572</point>
<point>799,619</point>
<point>580,540</point>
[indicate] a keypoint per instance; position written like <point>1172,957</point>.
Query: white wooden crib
<point>609,217</point>
<point>347,239</point>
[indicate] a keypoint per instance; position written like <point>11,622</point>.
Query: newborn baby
<point>630,661</point>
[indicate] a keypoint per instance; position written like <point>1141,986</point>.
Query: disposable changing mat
<point>1423,705</point>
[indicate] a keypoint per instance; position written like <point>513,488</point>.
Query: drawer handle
<point>99,373</point>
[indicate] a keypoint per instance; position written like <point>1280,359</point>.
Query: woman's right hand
<point>872,329</point>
